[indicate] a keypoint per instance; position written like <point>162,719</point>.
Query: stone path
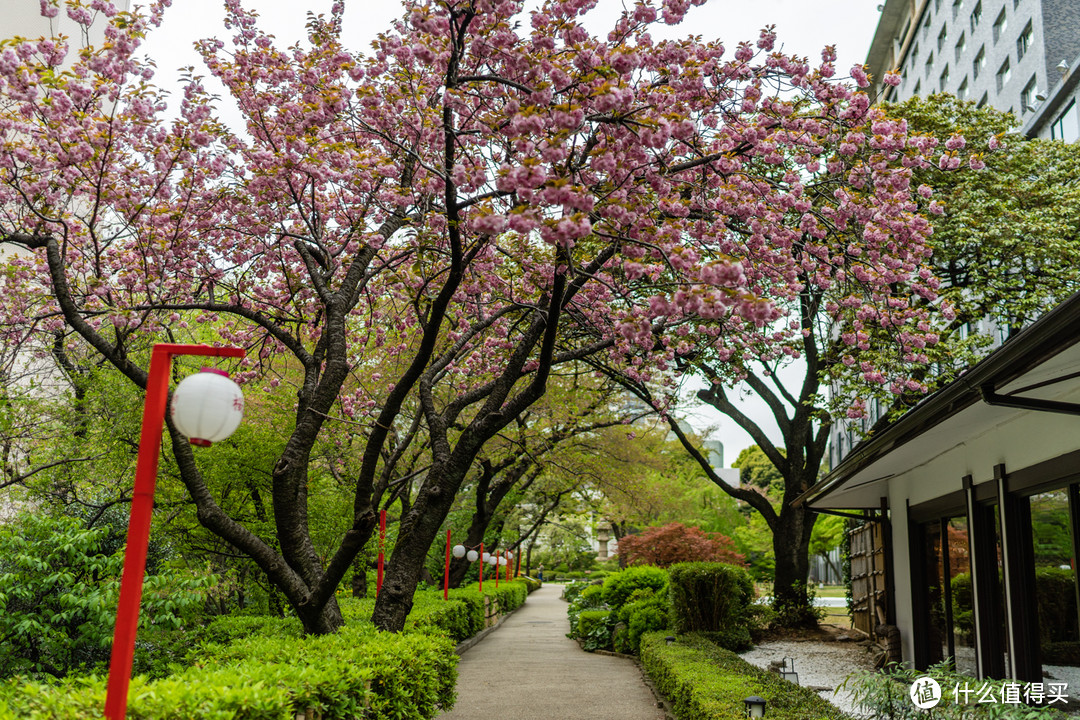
<point>529,670</point>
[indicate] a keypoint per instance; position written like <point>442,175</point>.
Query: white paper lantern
<point>459,551</point>
<point>502,561</point>
<point>487,557</point>
<point>207,406</point>
<point>509,555</point>
<point>472,555</point>
<point>493,561</point>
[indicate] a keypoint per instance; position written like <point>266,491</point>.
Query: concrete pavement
<point>528,669</point>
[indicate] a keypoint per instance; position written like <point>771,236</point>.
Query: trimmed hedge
<point>264,668</point>
<point>356,672</point>
<point>706,682</point>
<point>712,597</point>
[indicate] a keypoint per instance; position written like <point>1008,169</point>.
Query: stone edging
<point>471,641</point>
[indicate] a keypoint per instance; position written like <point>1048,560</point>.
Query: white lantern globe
<point>487,557</point>
<point>472,555</point>
<point>502,561</point>
<point>459,551</point>
<point>207,407</point>
<point>509,555</point>
<point>493,561</point>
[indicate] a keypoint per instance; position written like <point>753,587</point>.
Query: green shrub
<point>619,586</point>
<point>592,596</point>
<point>594,628</point>
<point>707,682</point>
<point>571,591</point>
<point>962,598</point>
<point>714,598</point>
<point>1055,597</point>
<point>531,584</point>
<point>642,616</point>
<point>59,584</point>
<point>357,672</point>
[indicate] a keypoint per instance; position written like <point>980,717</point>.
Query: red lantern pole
<point>481,567</point>
<point>382,546</point>
<point>497,573</point>
<point>142,507</point>
<point>509,565</point>
<point>446,571</point>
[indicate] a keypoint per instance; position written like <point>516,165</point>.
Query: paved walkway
<point>529,670</point>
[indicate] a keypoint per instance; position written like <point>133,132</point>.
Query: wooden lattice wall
<point>869,601</point>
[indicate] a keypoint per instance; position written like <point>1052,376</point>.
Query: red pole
<point>446,571</point>
<point>509,565</point>
<point>382,545</point>
<point>481,567</point>
<point>142,507</point>
<point>497,573</point>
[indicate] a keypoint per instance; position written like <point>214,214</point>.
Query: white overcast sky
<point>803,27</point>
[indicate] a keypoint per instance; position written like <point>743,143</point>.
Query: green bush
<point>642,616</point>
<point>1055,597</point>
<point>59,584</point>
<point>962,599</point>
<point>594,627</point>
<point>571,591</point>
<point>531,584</point>
<point>357,672</point>
<point>707,682</point>
<point>619,586</point>
<point>714,598</point>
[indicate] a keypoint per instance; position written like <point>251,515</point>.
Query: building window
<point>962,91</point>
<point>914,54</point>
<point>1027,96</point>
<point>941,37</point>
<point>956,7</point>
<point>1023,43</point>
<point>999,25</point>
<point>1066,127</point>
<point>1003,74</point>
<point>982,101</point>
<point>926,23</point>
<point>980,61</point>
<point>929,63</point>
<point>918,87</point>
<point>937,6</point>
<point>976,15</point>
<point>961,45</point>
<point>944,79</point>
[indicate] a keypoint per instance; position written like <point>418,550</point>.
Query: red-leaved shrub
<point>675,542</point>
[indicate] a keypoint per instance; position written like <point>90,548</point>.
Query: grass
<point>836,591</point>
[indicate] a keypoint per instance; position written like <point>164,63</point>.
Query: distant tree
<point>757,470</point>
<point>675,542</point>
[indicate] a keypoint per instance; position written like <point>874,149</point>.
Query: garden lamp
<point>789,674</point>
<point>755,706</point>
<point>207,406</point>
<point>459,552</point>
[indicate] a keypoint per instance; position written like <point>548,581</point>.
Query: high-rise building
<point>1018,55</point>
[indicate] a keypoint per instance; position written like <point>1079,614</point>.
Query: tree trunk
<point>417,532</point>
<point>791,547</point>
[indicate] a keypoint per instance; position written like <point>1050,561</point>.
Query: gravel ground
<point>818,663</point>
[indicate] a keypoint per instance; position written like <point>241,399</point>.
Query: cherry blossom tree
<point>424,232</point>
